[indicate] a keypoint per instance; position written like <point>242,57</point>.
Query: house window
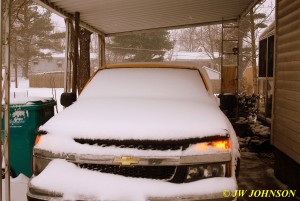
<point>265,76</point>
<point>262,58</point>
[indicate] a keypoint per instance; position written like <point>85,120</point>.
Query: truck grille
<point>160,145</point>
<point>134,144</point>
<point>150,172</point>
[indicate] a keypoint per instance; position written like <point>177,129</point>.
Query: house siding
<point>286,102</point>
<point>286,119</point>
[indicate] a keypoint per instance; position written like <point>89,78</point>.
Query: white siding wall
<point>286,113</point>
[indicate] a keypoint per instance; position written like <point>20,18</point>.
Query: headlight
<point>215,146</point>
<point>39,163</point>
<point>39,135</point>
<point>197,172</point>
<point>220,145</point>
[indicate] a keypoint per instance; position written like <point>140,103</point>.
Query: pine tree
<point>33,33</point>
<point>144,47</point>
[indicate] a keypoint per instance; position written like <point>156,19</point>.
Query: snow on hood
<point>111,118</point>
<point>140,103</point>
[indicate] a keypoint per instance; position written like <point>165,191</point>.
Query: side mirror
<point>218,100</point>
<point>67,99</point>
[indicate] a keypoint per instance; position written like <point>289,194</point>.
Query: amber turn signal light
<point>222,144</point>
<point>37,139</point>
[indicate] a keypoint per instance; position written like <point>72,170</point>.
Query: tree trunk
<point>26,67</point>
<point>253,49</point>
<point>26,45</point>
<point>26,62</point>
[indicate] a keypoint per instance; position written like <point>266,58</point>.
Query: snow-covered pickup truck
<point>147,131</point>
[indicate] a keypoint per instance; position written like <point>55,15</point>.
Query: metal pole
<point>253,51</point>
<point>1,92</point>
<point>75,64</point>
<point>103,60</point>
<point>222,57</point>
<point>99,51</point>
<point>238,57</point>
<point>67,58</point>
<point>7,101</point>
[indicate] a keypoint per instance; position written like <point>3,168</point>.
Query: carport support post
<point>1,92</point>
<point>253,52</point>
<point>6,144</point>
<point>84,63</point>
<point>75,64</point>
<point>67,57</point>
<point>101,50</point>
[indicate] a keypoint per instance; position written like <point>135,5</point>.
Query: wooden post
<point>6,144</point>
<point>67,57</point>
<point>84,63</point>
<point>75,64</point>
<point>1,89</point>
<point>101,39</point>
<point>99,51</point>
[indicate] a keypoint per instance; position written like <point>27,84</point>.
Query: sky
<point>58,22</point>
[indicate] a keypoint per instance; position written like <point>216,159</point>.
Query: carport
<point>112,18</point>
<point>115,18</point>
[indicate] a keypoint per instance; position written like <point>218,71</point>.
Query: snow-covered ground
<point>19,184</point>
<point>18,188</point>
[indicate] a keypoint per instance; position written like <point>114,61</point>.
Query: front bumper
<point>37,196</point>
<point>34,194</point>
<point>181,191</point>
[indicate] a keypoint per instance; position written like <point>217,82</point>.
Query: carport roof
<point>111,17</point>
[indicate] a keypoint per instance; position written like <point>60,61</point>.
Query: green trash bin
<point>26,115</point>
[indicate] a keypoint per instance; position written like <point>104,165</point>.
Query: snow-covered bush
<point>247,106</point>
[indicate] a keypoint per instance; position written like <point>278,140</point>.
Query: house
<point>266,72</point>
<point>286,102</point>
<point>49,73</point>
<point>56,64</point>
<point>200,58</point>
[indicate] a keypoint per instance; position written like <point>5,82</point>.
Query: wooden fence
<point>47,80</point>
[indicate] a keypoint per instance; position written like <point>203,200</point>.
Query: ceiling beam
<point>171,27</point>
<point>62,13</point>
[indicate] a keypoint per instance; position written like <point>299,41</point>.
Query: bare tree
<point>202,39</point>
<point>189,39</point>
<point>110,56</point>
<point>210,43</point>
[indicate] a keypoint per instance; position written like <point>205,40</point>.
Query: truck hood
<point>138,119</point>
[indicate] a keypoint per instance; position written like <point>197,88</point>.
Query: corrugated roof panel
<point>117,16</point>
